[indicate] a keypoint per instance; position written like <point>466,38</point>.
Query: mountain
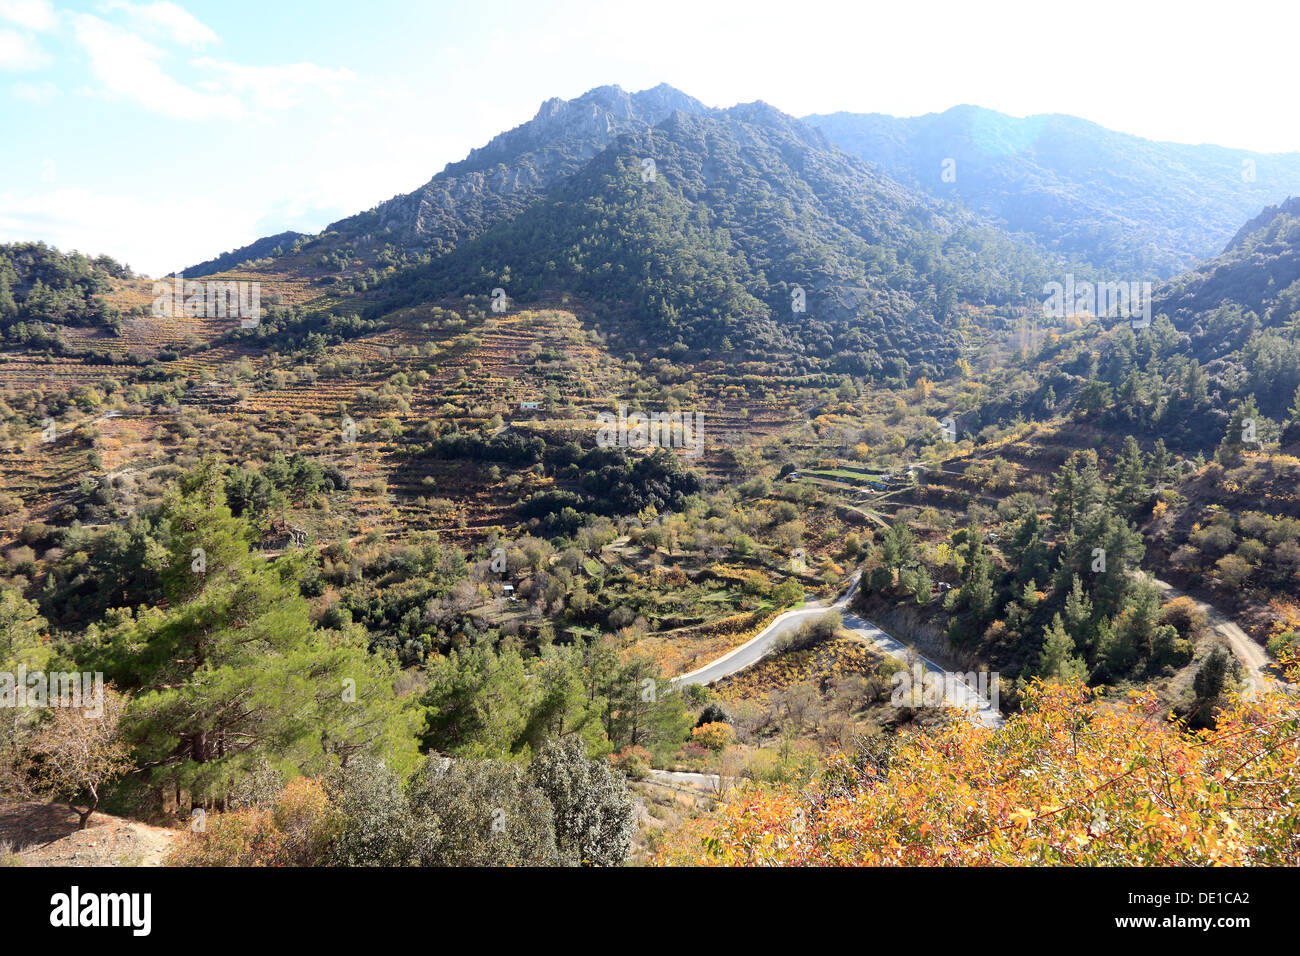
<point>1223,339</point>
<point>266,246</point>
<point>744,205</point>
<point>1130,206</point>
<point>497,181</point>
<point>1259,270</point>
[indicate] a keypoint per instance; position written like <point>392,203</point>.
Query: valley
<point>370,562</point>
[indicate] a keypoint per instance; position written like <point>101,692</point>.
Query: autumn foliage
<point>1073,780</point>
<point>714,736</point>
<point>295,831</point>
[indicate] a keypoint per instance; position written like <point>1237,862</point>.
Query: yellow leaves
<point>1022,817</point>
<point>1064,782</point>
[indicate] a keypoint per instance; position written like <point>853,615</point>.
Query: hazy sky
<point>165,133</point>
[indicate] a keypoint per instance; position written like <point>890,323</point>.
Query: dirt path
<point>46,834</point>
<point>1252,656</point>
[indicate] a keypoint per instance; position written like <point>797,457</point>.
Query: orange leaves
<point>1068,781</point>
<point>714,736</point>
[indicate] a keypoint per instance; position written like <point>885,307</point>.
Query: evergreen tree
<point>1208,685</point>
<point>1078,615</point>
<point>1058,660</point>
<point>1130,477</point>
<point>8,307</point>
<point>1078,490</point>
<point>1158,464</point>
<point>1247,429</point>
<point>233,671</point>
<point>921,585</point>
<point>978,590</point>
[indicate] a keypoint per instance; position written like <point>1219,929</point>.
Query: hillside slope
<point>1129,205</point>
<point>752,234</point>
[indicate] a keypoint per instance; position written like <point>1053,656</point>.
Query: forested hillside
<point>746,210</point>
<point>597,502</point>
<point>42,288</point>
<point>1130,206</point>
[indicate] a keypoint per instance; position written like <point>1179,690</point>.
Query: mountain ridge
<point>1137,206</point>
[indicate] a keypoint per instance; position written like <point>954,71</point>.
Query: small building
<point>530,406</point>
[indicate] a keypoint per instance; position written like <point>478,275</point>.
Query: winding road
<point>957,692</point>
<point>1246,650</point>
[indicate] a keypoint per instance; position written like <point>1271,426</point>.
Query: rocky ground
<point>46,834</point>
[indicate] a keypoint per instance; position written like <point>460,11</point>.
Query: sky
<point>164,133</point>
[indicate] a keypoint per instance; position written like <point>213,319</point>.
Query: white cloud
<point>36,93</point>
<point>18,53</point>
<point>35,15</point>
<point>153,236</point>
<point>168,21</point>
<point>277,87</point>
<point>128,67</point>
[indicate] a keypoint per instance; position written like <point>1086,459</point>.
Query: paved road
<point>957,692</point>
<point>686,779</point>
<point>753,649</point>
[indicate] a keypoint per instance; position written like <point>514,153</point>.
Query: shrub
<point>715,736</point>
<point>808,635</point>
<point>713,714</point>
<point>481,813</point>
<point>633,762</point>
<point>297,831</point>
<point>379,828</point>
<point>592,807</point>
<point>1286,644</point>
<point>1184,615</point>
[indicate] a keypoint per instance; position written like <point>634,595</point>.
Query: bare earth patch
<point>46,834</point>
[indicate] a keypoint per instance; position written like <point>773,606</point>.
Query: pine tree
<point>1058,660</point>
<point>1195,384</point>
<point>8,307</point>
<point>1247,429</point>
<point>1078,490</point>
<point>1130,476</point>
<point>921,585</point>
<point>234,670</point>
<point>1078,615</point>
<point>1158,463</point>
<point>978,591</point>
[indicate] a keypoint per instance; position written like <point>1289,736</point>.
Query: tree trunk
<point>84,815</point>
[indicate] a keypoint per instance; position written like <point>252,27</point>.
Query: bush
<point>1184,615</point>
<point>715,737</point>
<point>811,634</point>
<point>379,828</point>
<point>297,831</point>
<point>1286,644</point>
<point>633,762</point>
<point>592,807</point>
<point>481,813</point>
<point>713,714</point>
